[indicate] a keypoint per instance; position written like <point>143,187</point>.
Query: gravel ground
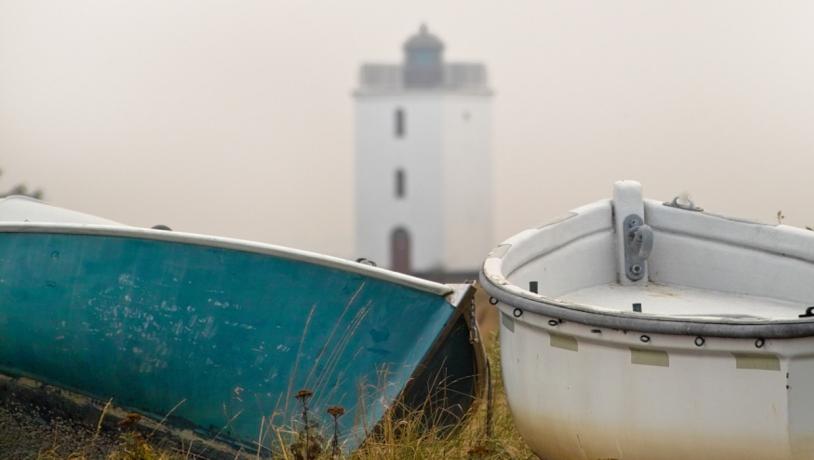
<point>40,421</point>
<point>31,432</point>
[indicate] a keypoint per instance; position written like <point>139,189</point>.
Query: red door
<point>400,250</point>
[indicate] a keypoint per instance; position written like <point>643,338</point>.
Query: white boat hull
<point>577,394</point>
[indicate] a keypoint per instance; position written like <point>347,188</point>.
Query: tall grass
<point>399,436</point>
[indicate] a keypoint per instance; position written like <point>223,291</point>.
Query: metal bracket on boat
<point>638,244</point>
<point>365,261</point>
<point>683,202</point>
<point>474,332</point>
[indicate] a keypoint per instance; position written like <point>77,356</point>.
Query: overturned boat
<point>641,329</point>
<point>218,336</point>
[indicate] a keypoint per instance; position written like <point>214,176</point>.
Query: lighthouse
<point>423,191</point>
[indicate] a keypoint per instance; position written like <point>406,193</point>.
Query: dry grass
<point>402,438</point>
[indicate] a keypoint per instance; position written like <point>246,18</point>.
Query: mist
<point>236,118</point>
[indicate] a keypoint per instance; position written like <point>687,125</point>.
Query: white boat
<point>639,329</point>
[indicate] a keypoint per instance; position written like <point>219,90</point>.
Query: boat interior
<point>630,254</point>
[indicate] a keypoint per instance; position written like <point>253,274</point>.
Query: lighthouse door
<point>400,250</point>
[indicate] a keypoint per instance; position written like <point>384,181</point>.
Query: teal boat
<point>219,335</point>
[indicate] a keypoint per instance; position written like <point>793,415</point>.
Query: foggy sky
<point>236,118</point>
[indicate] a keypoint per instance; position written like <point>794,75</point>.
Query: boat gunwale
<point>646,322</point>
<point>231,244</point>
<point>494,281</point>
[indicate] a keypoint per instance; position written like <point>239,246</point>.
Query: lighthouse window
<point>399,122</point>
<point>400,183</point>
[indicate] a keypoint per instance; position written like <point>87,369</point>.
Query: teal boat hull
<point>220,336</point>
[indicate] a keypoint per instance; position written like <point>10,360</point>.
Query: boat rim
<point>501,290</point>
<point>254,247</point>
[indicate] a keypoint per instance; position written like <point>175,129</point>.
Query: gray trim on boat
<point>642,322</point>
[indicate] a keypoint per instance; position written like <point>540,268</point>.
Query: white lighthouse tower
<point>423,165</point>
